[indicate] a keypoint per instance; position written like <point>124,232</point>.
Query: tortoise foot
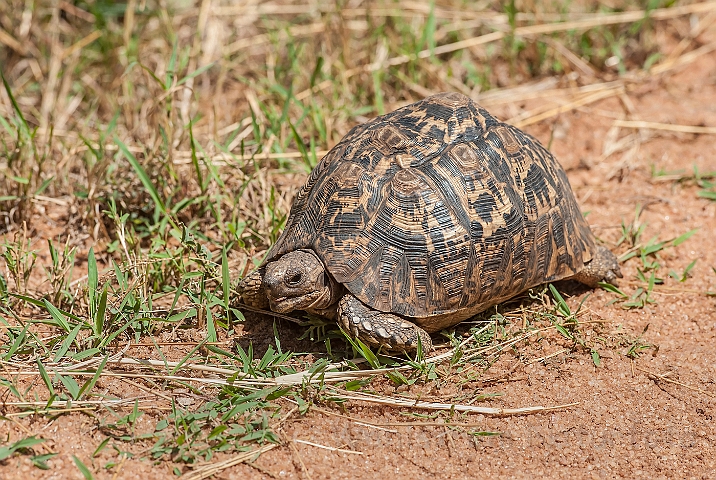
<point>603,267</point>
<point>379,329</point>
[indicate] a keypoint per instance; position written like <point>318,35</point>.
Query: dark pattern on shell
<point>436,208</point>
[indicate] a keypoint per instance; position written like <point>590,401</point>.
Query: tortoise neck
<point>326,305</point>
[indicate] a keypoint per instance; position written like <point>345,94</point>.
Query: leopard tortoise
<point>422,218</point>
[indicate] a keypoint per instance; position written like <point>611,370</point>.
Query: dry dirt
<point>626,424</point>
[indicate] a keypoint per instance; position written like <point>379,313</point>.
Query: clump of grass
<point>647,252</point>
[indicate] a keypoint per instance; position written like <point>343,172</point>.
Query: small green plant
<point>685,274</point>
<point>638,346</point>
<point>25,447</point>
<point>59,273</point>
<point>631,232</point>
<point>569,326</point>
<point>19,259</point>
<point>648,254</point>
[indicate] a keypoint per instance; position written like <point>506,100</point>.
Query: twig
<point>554,354</point>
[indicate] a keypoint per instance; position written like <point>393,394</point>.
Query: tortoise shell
<point>438,208</point>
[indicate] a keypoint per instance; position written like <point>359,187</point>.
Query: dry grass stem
<point>417,404</point>
<point>381,425</point>
<point>666,127</point>
<point>325,447</point>
<point>296,454</point>
<point>9,41</point>
<point>554,354</point>
<point>663,378</point>
<point>211,470</point>
<point>150,153</point>
<point>684,59</point>
<point>530,119</point>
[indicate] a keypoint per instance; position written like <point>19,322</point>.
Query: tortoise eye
<point>294,279</point>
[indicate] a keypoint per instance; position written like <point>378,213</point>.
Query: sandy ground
<point>626,424</point>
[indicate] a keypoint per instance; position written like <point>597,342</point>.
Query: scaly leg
<point>251,291</point>
<point>379,329</point>
<point>603,267</point>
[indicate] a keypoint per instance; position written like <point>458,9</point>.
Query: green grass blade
<point>83,468</point>
<point>211,335</point>
<point>187,357</point>
<point>195,73</point>
<point>46,183</point>
<point>57,316</point>
<point>45,378</point>
<point>15,106</point>
<point>71,385</point>
<point>195,160</point>
<point>100,313</point>
<point>362,349</point>
<point>706,194</point>
<point>301,146</point>
<point>428,39</point>
<point>66,343</point>
<point>682,238</point>
<point>41,304</point>
<point>25,443</point>
<point>89,385</point>
<point>225,279</point>
<point>142,174</point>
<point>19,341</point>
<point>562,306</point>
<point>611,288</point>
<point>172,67</point>
<point>92,279</point>
<point>100,447</point>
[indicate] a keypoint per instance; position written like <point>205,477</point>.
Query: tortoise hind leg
<point>603,267</point>
<point>380,329</point>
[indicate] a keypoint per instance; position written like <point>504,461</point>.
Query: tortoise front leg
<point>251,291</point>
<point>379,329</point>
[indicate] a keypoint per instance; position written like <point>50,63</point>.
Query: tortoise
<point>422,218</point>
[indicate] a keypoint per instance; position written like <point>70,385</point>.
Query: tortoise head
<point>298,281</point>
